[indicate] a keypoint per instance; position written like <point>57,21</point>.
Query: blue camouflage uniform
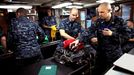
<point>71,28</point>
<point>108,47</point>
<point>49,21</point>
<point>22,38</point>
<point>128,45</point>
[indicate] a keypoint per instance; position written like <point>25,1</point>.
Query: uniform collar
<point>111,21</point>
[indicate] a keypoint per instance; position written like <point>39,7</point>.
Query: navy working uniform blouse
<point>22,36</point>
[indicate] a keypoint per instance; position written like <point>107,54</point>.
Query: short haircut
<point>22,11</point>
<point>73,9</point>
<point>106,5</point>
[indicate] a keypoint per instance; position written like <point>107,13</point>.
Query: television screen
<point>88,23</point>
<point>82,15</point>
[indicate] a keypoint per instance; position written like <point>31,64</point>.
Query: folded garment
<point>67,43</point>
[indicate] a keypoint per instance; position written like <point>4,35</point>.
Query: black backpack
<point>79,57</point>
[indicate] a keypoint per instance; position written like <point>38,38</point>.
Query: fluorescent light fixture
<point>10,10</point>
<point>76,3</point>
<point>13,7</point>
<point>62,5</point>
<point>91,4</point>
<point>74,6</point>
<point>109,1</point>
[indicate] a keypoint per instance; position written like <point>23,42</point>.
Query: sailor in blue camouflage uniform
<point>23,34</point>
<point>47,22</point>
<point>108,33</point>
<point>128,45</point>
<point>69,28</point>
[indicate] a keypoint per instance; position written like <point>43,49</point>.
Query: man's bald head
<point>74,10</point>
<point>105,6</point>
<point>105,11</point>
<point>73,14</point>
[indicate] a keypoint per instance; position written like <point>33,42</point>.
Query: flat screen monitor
<point>88,23</point>
<point>82,15</point>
